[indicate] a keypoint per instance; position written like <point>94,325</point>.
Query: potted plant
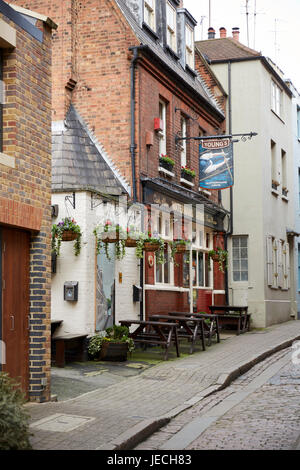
<point>178,246</point>
<point>187,173</point>
<point>146,242</point>
<point>132,236</point>
<point>66,230</point>
<point>111,345</point>
<point>166,162</point>
<point>220,256</point>
<point>110,233</point>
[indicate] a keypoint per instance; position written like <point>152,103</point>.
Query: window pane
<point>244,276</point>
<point>244,253</point>
<point>186,269</point>
<point>240,258</point>
<point>207,271</point>
<point>200,269</point>
<point>194,268</point>
<point>236,276</point>
<point>159,273</point>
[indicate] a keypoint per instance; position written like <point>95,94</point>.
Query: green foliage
<point>188,171</point>
<point>147,238</point>
<point>166,159</point>
<point>110,230</point>
<point>114,334</point>
<point>221,257</point>
<point>57,232</point>
<point>14,434</point>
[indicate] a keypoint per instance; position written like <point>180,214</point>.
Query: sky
<point>276,28</point>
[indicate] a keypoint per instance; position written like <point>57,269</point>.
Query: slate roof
<point>196,83</point>
<point>77,163</point>
<point>224,49</point>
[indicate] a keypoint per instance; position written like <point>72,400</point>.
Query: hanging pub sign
<point>215,163</point>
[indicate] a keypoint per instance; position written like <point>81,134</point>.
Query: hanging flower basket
<point>219,255</point>
<point>151,246</point>
<point>130,243</point>
<point>66,230</point>
<point>110,233</point>
<point>69,236</point>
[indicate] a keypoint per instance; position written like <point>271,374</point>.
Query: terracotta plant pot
<point>69,235</point>
<point>130,243</point>
<point>111,239</point>
<point>149,246</point>
<point>115,352</point>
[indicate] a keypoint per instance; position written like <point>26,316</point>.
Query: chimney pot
<point>223,33</point>
<point>211,33</point>
<point>236,33</point>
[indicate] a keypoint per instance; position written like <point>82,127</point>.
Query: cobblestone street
<point>268,418</point>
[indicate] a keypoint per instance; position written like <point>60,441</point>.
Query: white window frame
<point>163,133</point>
<point>183,151</point>
<point>240,259</point>
<point>276,98</point>
<point>149,13</point>
<point>162,266</point>
<point>298,122</point>
<point>189,47</point>
<point>209,271</point>
<point>171,28</point>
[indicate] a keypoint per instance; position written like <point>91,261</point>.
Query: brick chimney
<point>223,32</point>
<point>236,33</point>
<point>211,33</point>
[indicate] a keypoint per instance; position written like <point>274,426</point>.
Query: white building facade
<point>261,246</point>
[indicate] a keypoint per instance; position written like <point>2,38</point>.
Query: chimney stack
<point>236,33</point>
<point>211,33</point>
<point>223,32</point>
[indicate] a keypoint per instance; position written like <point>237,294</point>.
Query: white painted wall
<point>79,317</point>
<point>256,211</point>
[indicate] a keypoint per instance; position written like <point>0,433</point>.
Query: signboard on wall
<point>215,163</point>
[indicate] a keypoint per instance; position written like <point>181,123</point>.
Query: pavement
<point>260,410</point>
<point>129,407</point>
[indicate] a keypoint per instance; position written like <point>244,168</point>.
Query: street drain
<point>61,422</point>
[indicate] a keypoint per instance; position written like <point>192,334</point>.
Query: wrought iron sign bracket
<point>243,137</point>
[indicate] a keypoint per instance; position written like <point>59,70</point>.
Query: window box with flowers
<point>166,165</point>
<point>187,175</point>
<point>66,230</point>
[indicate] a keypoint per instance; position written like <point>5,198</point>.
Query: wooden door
<point>15,303</point>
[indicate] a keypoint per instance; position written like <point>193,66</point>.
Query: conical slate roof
<point>77,162</point>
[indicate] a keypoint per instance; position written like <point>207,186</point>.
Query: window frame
<point>172,30</point>
<point>276,98</point>
<point>163,134</point>
<point>162,267</point>
<point>189,48</point>
<point>239,259</point>
<point>151,13</point>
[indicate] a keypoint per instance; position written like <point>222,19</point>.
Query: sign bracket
<point>244,136</point>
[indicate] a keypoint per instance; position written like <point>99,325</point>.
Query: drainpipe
<point>133,146</point>
<point>227,234</point>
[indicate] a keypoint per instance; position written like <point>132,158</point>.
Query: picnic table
<point>232,315</point>
<point>154,332</point>
<point>210,330</point>
<point>186,330</point>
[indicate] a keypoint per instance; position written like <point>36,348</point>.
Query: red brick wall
<point>25,191</point>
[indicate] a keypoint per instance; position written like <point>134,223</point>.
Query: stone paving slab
<point>127,411</point>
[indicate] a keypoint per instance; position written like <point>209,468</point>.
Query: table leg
<point>202,335</point>
<point>217,329</point>
<point>176,341</point>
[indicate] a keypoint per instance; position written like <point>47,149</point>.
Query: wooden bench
<point>153,332</point>
<point>73,344</point>
<point>190,328</point>
<point>232,315</point>
<point>210,330</point>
